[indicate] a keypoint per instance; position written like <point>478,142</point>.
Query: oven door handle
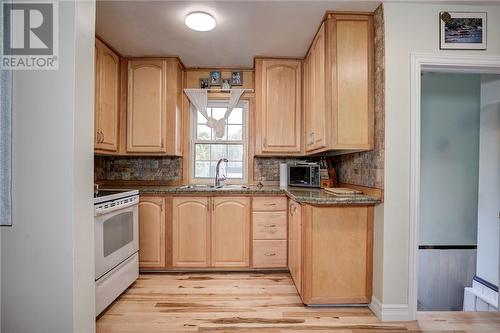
<point>105,210</point>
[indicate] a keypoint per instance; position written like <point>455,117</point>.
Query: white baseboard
<point>389,312</point>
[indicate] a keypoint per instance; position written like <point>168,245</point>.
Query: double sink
<point>202,187</point>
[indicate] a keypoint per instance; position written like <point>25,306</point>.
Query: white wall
<point>489,180</point>
<point>48,254</point>
<point>409,28</point>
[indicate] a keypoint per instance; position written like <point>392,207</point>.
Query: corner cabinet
<point>154,100</point>
<point>315,116</point>
<point>339,85</point>
<point>152,249</point>
<point>295,243</point>
<point>278,92</point>
<point>107,70</point>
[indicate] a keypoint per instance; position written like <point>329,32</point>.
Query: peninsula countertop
<point>311,196</point>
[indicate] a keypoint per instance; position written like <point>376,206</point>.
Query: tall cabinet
<point>278,90</point>
<point>154,102</point>
<point>338,85</point>
<point>107,70</point>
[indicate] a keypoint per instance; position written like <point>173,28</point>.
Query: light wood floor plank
<point>255,302</point>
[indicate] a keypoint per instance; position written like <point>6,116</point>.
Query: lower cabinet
<point>331,262</point>
<point>152,232</point>
<point>269,225</point>
<point>191,232</point>
<point>210,232</point>
<point>295,243</point>
<point>230,232</point>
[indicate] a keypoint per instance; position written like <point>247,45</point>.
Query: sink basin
<point>195,186</point>
<point>233,187</point>
<point>210,186</point>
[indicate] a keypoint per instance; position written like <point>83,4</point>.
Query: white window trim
<point>192,141</point>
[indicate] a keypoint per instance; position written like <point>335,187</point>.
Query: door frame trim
<point>440,62</point>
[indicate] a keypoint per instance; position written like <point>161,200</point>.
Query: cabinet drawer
<point>269,203</point>
<point>269,225</point>
<point>269,253</point>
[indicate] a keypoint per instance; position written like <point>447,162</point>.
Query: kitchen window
<point>206,149</point>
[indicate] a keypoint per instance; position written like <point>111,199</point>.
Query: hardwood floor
<point>255,302</point>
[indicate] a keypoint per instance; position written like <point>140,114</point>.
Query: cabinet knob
<point>265,142</point>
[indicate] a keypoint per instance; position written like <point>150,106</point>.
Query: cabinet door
<point>107,89</point>
<point>352,89</point>
<point>278,112</point>
<point>295,243</point>
<point>146,109</point>
<point>191,232</point>
<point>316,116</point>
<point>152,232</point>
<point>230,232</point>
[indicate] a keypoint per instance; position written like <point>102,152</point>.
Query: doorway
<point>454,233</point>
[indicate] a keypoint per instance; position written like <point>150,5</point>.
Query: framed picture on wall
<point>462,31</point>
<point>215,78</point>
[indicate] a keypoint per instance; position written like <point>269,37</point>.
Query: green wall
<point>449,158</point>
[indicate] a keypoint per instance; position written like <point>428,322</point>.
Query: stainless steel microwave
<point>304,174</point>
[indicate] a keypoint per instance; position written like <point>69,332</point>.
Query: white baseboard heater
<point>482,296</point>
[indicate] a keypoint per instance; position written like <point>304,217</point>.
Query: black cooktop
<point>103,193</point>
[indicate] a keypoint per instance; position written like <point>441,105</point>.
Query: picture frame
<point>204,83</point>
<point>462,30</point>
<point>215,78</point>
<point>226,84</point>
<point>237,78</point>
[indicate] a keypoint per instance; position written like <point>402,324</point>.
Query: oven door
<point>116,238</point>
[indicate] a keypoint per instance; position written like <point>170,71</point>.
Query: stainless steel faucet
<point>217,171</point>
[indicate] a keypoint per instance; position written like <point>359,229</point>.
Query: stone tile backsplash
<point>137,168</point>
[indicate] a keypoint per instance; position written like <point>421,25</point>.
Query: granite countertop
<point>312,196</point>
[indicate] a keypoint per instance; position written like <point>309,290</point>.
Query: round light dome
<point>200,21</point>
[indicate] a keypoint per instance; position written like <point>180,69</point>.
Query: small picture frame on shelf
<point>462,31</point>
<point>226,84</point>
<point>204,83</point>
<point>237,78</point>
<point>215,78</point>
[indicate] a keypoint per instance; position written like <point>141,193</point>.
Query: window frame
<point>193,141</point>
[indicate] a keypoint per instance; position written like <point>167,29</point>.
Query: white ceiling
<point>244,28</point>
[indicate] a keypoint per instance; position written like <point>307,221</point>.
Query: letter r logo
<point>28,28</point>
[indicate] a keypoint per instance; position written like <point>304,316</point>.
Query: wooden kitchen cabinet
<point>278,106</point>
<point>230,232</point>
<point>154,103</point>
<point>336,248</point>
<point>269,236</point>
<point>295,243</point>
<point>191,232</point>
<point>339,85</point>
<point>151,232</point>
<point>315,120</point>
<point>107,70</point>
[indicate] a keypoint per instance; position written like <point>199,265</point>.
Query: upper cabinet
<point>338,84</point>
<point>278,90</point>
<point>315,120</point>
<point>154,99</point>
<point>107,65</point>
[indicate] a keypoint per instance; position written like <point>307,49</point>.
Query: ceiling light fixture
<point>200,21</point>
